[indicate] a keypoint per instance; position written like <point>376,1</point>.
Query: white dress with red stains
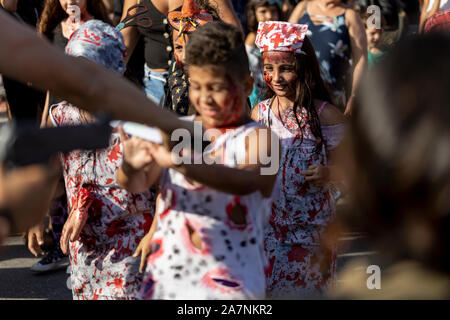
<point>230,262</point>
<point>298,265</point>
<point>101,262</point>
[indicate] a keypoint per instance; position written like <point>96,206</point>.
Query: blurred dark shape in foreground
<point>400,173</point>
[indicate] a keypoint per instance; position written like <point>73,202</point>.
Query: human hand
<point>27,192</point>
<point>162,156</point>
<point>144,249</point>
<point>317,174</point>
<point>136,151</point>
<point>77,219</point>
<point>36,239</point>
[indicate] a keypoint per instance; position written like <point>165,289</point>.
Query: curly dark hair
<point>310,86</point>
<point>53,14</point>
<point>220,44</point>
<point>252,23</point>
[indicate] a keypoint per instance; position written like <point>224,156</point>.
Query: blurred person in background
<point>397,22</point>
<point>24,102</point>
<point>149,21</point>
<point>374,34</point>
<point>400,173</point>
<point>106,222</point>
<point>432,7</point>
<point>25,195</point>
<point>339,39</point>
<point>57,24</point>
<point>258,11</point>
<point>118,9</point>
<point>438,22</point>
<point>177,85</point>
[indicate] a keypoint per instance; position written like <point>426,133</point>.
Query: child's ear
<point>248,85</point>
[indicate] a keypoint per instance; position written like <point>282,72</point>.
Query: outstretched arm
<point>27,58</point>
<point>298,12</point>
<point>138,171</point>
<point>257,172</point>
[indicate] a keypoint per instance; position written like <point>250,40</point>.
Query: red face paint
<point>216,96</point>
<point>268,79</point>
<point>278,57</point>
<point>280,72</point>
<point>179,44</point>
<point>177,59</point>
<point>234,99</point>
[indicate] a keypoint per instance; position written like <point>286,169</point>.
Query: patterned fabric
<point>177,91</point>
<point>58,216</point>
<point>230,261</point>
<point>440,21</point>
<point>256,68</point>
<point>280,36</point>
<point>99,42</point>
<point>298,265</point>
<point>101,262</point>
<point>331,40</point>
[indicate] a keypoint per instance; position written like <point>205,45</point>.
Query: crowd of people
<point>345,99</point>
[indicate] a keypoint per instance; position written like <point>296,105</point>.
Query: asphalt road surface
<point>17,281</point>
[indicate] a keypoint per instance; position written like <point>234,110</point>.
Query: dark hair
<point>220,44</point>
<point>400,141</point>
<point>252,23</point>
<point>53,14</point>
<point>309,86</point>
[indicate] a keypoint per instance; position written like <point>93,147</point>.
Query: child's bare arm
<point>255,111</point>
<point>298,12</point>
<point>257,173</point>
<point>144,248</point>
<point>321,175</point>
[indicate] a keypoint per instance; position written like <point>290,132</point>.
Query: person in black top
<point>55,26</point>
<point>25,103</point>
<point>149,21</point>
<point>182,24</point>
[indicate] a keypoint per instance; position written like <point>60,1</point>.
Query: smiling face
<point>280,73</point>
<point>218,100</point>
<point>373,37</point>
<point>266,13</point>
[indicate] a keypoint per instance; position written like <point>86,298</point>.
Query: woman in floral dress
<point>339,39</point>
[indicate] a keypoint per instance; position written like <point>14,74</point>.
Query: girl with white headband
<point>310,128</point>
